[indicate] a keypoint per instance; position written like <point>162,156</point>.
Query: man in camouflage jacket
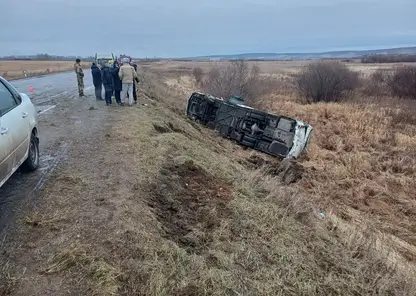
<point>80,77</point>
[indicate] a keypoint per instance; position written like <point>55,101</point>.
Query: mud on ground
<point>189,204</point>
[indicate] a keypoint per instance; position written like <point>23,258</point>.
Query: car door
<point>14,126</point>
<point>6,103</point>
<point>5,148</point>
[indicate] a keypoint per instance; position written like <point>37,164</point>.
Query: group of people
<point>118,81</point>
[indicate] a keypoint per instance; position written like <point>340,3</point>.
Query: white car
<point>19,142</point>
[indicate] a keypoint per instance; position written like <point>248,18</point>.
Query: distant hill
<point>346,54</point>
<point>351,54</point>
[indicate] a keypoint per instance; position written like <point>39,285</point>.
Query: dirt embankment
<point>153,204</point>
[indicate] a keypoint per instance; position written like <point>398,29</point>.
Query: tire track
<point>61,153</point>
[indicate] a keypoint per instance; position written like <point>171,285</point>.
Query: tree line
<point>46,57</point>
<point>389,58</point>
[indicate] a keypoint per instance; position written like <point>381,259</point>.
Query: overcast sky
<point>177,28</point>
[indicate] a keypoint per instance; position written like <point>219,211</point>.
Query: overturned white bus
<point>276,135</point>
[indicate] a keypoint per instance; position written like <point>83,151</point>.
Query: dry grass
<point>267,240</point>
<point>361,160</point>
<point>7,280</point>
<point>360,167</point>
<point>14,69</point>
<point>272,242</point>
<point>103,277</point>
<point>267,67</point>
<point>187,213</point>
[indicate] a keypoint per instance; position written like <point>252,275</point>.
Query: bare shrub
<point>381,76</point>
<point>403,82</point>
<point>198,75</point>
<point>325,82</point>
<point>378,83</point>
<point>239,79</point>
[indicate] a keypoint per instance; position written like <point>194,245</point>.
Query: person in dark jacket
<point>116,82</point>
<point>134,84</point>
<point>97,81</point>
<point>108,83</point>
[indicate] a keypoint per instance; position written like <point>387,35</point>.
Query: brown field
<point>267,67</point>
<point>14,69</point>
<point>167,207</point>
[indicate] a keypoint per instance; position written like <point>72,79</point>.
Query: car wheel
<point>32,161</point>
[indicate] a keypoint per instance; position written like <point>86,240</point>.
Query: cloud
<point>189,27</point>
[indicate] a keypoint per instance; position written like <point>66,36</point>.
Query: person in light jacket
<point>127,76</point>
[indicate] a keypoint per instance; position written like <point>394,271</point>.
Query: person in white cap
<point>127,76</point>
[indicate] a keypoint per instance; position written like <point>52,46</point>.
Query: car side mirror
<point>18,98</point>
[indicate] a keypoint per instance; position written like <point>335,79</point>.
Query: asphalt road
<point>57,128</point>
<point>48,88</point>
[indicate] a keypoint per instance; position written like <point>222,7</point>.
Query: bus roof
<point>104,56</point>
